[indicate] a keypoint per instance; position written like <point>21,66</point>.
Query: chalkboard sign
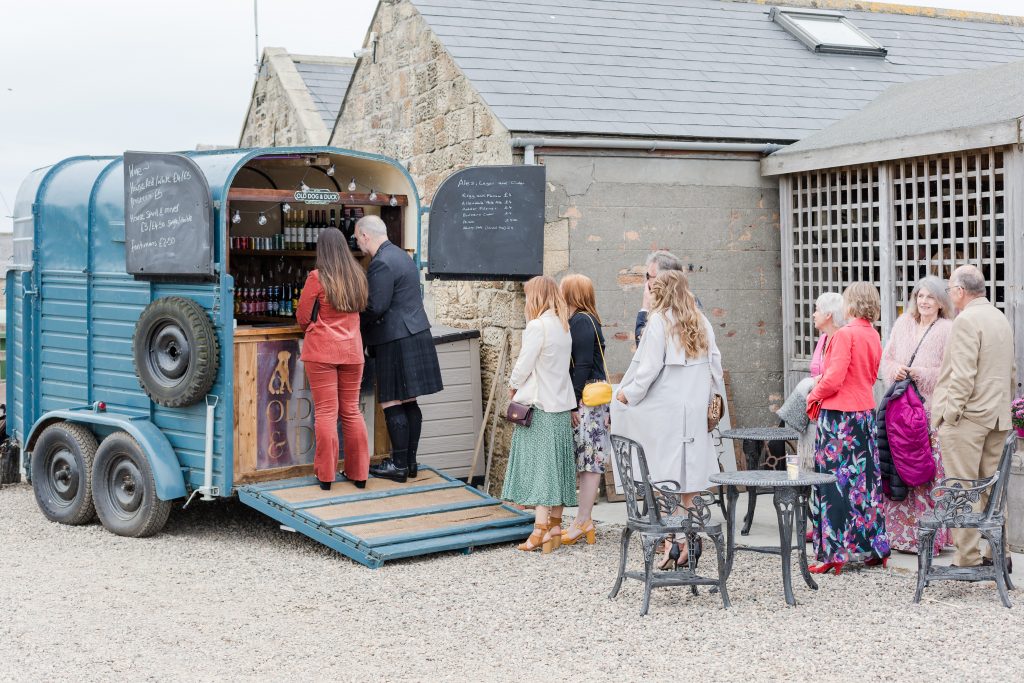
<point>168,217</point>
<point>488,222</point>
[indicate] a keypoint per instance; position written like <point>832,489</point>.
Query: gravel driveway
<point>222,593</point>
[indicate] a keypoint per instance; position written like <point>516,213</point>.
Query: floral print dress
<point>849,519</point>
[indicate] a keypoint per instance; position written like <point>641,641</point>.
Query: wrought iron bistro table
<point>790,497</point>
<point>761,458</point>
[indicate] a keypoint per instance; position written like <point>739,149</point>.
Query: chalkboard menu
<point>168,217</point>
<point>488,222</point>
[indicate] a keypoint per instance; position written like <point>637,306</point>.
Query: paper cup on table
<point>793,465</point>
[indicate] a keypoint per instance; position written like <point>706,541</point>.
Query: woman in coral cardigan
<point>849,524</point>
<point>333,356</point>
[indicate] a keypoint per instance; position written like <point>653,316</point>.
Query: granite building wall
<point>281,112</point>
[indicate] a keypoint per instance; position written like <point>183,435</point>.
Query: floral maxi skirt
<point>901,517</point>
<point>593,445</point>
<point>849,522</point>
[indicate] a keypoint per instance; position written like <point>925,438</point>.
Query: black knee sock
<point>398,431</point>
<point>415,418</point>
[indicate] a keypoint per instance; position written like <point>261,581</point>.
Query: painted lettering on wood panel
<point>285,421</point>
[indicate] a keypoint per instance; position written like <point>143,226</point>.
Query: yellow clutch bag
<point>598,393</point>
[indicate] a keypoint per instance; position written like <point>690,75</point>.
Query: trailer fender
<point>170,482</point>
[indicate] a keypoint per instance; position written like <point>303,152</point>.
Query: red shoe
<point>809,537</point>
<point>875,562</point>
<point>825,568</point>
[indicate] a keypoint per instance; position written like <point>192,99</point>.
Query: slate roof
<point>327,79</point>
<point>689,68</point>
<point>949,103</point>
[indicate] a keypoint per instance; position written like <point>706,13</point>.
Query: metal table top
<point>762,434</point>
<point>770,479</point>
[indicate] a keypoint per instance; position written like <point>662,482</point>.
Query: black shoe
<point>325,485</point>
<point>387,470</point>
<point>360,484</point>
<point>414,469</point>
<point>987,562</point>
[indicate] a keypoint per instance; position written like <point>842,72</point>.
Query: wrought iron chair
<point>649,508</point>
<point>955,501</point>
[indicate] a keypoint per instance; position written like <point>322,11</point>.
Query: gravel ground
<point>222,593</point>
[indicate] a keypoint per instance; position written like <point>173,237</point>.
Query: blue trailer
<point>124,385</point>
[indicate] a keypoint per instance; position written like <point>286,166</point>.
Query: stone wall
<point>413,104</point>
<point>718,214</point>
<point>281,112</point>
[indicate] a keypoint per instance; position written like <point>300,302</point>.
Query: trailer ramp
<point>387,520</point>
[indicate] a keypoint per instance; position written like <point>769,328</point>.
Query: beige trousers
<point>970,451</point>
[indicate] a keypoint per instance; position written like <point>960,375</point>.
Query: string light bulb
<point>237,218</point>
<point>373,195</point>
<point>393,201</point>
<point>330,170</point>
<point>352,185</point>
<point>262,220</point>
<point>287,208</point>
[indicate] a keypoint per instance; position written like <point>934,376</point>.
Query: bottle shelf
<point>304,253</point>
<point>290,319</point>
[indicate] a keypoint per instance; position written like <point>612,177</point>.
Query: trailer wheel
<point>175,351</point>
<point>62,463</point>
<point>125,489</point>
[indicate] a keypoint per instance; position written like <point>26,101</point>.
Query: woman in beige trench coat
<point>662,402</point>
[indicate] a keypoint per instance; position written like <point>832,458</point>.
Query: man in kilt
<point>396,333</point>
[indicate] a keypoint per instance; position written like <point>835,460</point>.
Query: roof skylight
<point>825,31</point>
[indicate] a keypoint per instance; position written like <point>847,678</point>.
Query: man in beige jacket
<point>971,403</point>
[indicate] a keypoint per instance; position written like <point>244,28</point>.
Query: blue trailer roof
<point>92,186</point>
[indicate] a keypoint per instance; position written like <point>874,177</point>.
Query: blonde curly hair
<point>671,292</point>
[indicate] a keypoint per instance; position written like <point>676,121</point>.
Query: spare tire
<point>175,351</point>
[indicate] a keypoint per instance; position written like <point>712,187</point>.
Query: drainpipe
<point>530,144</point>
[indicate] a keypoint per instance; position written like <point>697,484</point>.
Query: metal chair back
<point>641,507</point>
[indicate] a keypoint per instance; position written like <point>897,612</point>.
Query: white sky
<point>102,76</point>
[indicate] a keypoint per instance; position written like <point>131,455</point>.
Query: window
<point>824,31</point>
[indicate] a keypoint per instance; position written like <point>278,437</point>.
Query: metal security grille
<point>948,211</point>
<point>834,240</point>
<point>891,224</point>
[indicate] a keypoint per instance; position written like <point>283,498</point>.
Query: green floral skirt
<point>542,463</point>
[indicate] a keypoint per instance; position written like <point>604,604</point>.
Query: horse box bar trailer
<point>153,352</point>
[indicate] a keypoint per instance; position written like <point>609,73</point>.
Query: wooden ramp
<point>386,520</point>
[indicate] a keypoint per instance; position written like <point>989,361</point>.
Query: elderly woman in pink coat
<point>923,327</point>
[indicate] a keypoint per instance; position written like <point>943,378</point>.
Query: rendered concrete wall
<point>607,212</point>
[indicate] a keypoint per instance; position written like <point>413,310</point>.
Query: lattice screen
<point>835,241</point>
<point>948,211</point>
<point>944,211</point>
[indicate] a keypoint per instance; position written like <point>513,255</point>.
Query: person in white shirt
<point>541,469</point>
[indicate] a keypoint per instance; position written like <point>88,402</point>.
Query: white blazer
<point>541,374</point>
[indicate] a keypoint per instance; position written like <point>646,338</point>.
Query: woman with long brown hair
<point>541,468</point>
<point>333,356</point>
<point>590,423</point>
<point>662,402</point>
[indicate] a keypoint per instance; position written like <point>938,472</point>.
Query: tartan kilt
<point>406,368</point>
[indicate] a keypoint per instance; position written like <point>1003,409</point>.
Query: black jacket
<point>586,363</point>
<point>395,307</point>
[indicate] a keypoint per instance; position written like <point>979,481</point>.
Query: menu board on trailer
<point>168,217</point>
<point>488,222</point>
